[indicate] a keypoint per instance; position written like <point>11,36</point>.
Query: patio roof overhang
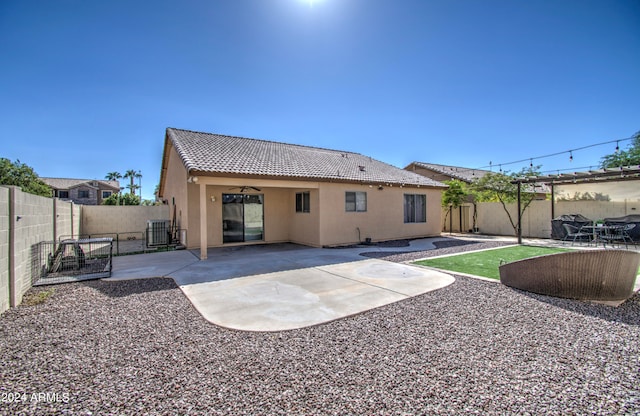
<point>622,173</point>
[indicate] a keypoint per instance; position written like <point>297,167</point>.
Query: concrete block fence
<point>26,220</point>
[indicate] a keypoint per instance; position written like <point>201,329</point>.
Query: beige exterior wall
<point>110,219</point>
<point>327,223</point>
<point>281,222</point>
<point>536,221</point>
<point>383,220</point>
<point>175,190</point>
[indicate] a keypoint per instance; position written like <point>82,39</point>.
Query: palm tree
<point>113,176</point>
<point>131,174</point>
<point>139,176</point>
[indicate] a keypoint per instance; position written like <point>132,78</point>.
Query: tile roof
<point>215,153</point>
<point>68,183</point>
<point>457,172</point>
<point>469,175</point>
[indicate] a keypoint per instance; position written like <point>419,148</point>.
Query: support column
<point>203,222</point>
<point>519,216</point>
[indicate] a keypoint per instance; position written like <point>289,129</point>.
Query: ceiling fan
<point>245,188</point>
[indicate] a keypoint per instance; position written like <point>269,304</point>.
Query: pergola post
<point>519,216</point>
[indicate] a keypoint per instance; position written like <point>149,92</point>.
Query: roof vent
<point>361,168</point>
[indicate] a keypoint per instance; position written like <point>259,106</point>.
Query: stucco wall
<point>383,220</point>
<point>327,223</point>
<point>536,221</point>
<point>110,219</point>
<point>175,192</point>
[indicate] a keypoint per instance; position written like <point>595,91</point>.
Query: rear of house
<point>226,190</point>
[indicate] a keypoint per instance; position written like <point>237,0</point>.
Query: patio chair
<point>574,233</point>
<point>618,234</point>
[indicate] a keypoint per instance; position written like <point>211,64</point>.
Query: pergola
<point>624,173</point>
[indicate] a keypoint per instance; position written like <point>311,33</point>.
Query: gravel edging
<point>451,246</point>
<point>139,347</point>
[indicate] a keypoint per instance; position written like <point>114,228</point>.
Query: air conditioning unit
<point>158,233</point>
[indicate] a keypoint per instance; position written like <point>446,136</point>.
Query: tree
<point>19,174</point>
<point>132,175</point>
<point>113,176</point>
<point>122,199</point>
<point>628,157</point>
<point>453,197</point>
<point>497,187</point>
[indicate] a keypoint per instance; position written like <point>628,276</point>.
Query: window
<point>83,194</point>
<point>303,202</point>
<point>63,194</point>
<point>355,201</point>
<point>415,208</point>
<point>106,194</point>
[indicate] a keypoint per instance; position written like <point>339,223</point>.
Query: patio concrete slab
<point>140,266</point>
<point>283,286</point>
<point>298,298</point>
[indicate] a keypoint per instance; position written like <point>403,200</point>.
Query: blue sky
<point>89,87</point>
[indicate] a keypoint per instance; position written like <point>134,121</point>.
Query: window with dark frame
<point>415,208</point>
<point>83,194</point>
<point>303,202</point>
<point>63,194</point>
<point>355,201</point>
<point>106,194</point>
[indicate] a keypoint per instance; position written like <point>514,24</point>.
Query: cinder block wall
<point>4,248</point>
<point>31,221</point>
<point>67,219</point>
<point>26,220</point>
<point>105,219</point>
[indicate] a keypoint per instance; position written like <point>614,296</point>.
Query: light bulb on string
<point>570,156</point>
<point>617,147</point>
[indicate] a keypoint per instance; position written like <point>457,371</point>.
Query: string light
<point>570,155</point>
<point>617,141</point>
<point>617,146</point>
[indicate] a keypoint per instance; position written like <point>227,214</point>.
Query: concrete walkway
<point>285,286</point>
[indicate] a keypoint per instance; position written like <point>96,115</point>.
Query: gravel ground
<point>139,347</point>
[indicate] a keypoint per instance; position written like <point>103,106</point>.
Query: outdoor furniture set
<point>600,233</point>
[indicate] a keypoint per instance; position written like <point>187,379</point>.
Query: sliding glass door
<point>242,218</point>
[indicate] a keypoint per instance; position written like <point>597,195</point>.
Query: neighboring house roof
<point>218,154</point>
<point>67,183</point>
<point>468,175</point>
<point>456,172</point>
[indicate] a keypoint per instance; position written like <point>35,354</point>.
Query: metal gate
<point>71,260</point>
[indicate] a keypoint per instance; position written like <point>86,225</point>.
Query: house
<point>82,191</point>
<point>226,190</point>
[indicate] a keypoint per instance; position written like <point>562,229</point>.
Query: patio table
<point>598,231</point>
